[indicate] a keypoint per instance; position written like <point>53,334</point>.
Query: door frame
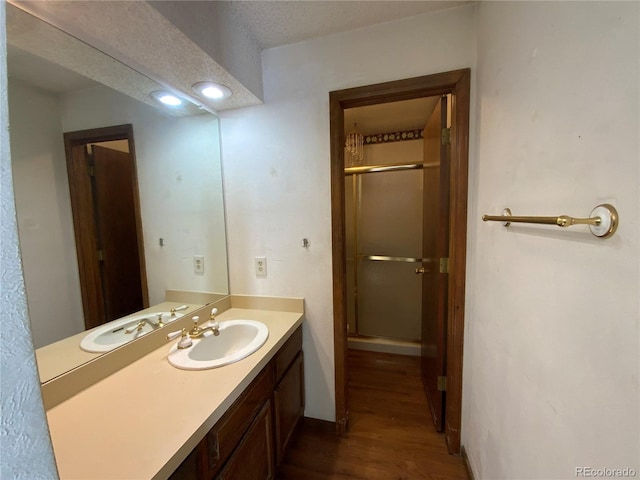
<point>458,84</point>
<point>86,241</point>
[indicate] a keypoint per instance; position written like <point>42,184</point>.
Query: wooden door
<point>107,224</point>
<point>435,244</point>
<point>117,231</point>
<point>457,83</point>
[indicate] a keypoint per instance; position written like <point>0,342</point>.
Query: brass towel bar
<point>603,220</point>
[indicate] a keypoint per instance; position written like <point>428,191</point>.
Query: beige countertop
<point>142,422</point>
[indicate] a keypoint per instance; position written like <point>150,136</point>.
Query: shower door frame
<point>457,83</point>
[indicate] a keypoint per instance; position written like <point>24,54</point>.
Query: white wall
<point>24,438</point>
<point>276,164</point>
<point>45,222</point>
<point>180,184</point>
<point>551,345</point>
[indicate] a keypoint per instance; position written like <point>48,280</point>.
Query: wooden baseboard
<point>467,465</point>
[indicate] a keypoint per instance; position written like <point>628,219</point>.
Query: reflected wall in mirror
<point>178,172</point>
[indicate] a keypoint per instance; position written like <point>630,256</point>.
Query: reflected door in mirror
<point>117,233</point>
<point>106,222</point>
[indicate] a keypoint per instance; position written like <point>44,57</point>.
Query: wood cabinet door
<point>253,459</point>
<point>288,405</point>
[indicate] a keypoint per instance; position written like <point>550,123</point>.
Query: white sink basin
<point>113,334</point>
<point>237,340</point>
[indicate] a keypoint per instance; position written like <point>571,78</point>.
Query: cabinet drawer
<point>287,353</point>
<point>253,460</point>
<point>224,437</point>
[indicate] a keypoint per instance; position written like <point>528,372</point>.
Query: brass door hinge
<point>100,256</point>
<point>446,136</point>
<point>442,384</point>
<point>91,169</point>
<point>343,424</point>
<point>444,265</point>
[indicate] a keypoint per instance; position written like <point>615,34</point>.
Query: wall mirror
<point>58,84</point>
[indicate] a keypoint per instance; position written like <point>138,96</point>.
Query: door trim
<point>458,84</point>
<point>86,241</point>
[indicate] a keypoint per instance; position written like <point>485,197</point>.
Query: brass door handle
<point>420,270</point>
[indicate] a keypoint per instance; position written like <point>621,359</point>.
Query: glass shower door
<point>384,247</point>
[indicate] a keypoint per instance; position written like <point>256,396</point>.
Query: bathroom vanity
<point>150,420</point>
<point>250,440</point>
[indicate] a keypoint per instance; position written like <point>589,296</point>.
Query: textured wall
<point>26,447</point>
<point>276,164</point>
<point>551,347</point>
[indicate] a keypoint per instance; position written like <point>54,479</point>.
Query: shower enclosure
<point>383,208</point>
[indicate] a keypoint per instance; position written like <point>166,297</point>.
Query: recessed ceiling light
<point>212,90</point>
<point>166,98</point>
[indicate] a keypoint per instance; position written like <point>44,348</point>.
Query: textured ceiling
<point>275,23</point>
<point>39,54</point>
<point>271,23</point>
<point>135,34</point>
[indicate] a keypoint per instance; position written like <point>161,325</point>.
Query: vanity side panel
<point>288,401</point>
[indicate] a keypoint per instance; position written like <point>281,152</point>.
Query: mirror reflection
<point>173,206</point>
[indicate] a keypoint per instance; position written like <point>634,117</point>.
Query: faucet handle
<point>195,329</point>
<point>176,334</point>
<point>177,309</point>
<point>185,341</point>
<point>214,312</point>
<point>138,326</point>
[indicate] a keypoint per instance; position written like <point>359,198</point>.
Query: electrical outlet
<point>198,264</point>
<point>261,266</point>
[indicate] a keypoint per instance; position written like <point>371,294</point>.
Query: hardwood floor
<point>391,435</point>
